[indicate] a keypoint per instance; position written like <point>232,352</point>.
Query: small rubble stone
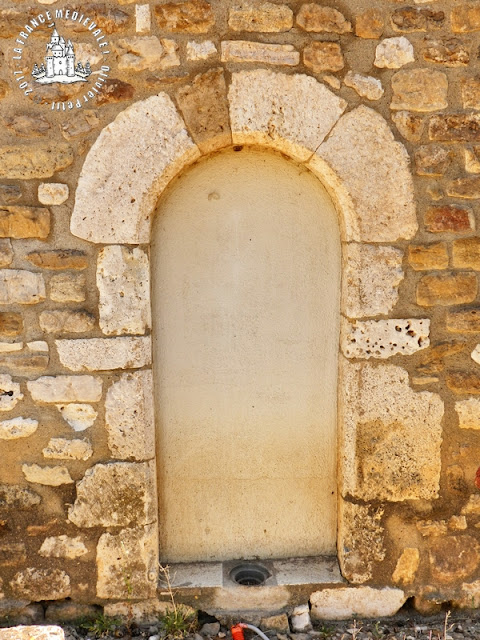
<point>476,354</point>
<point>466,253</point>
<point>143,18</point>
<point>25,364</point>
<point>407,566</point>
<point>63,547</point>
<point>78,416</point>
<point>315,18</point>
<point>24,222</point>
<point>447,289</point>
<point>323,56</point>
<point>47,632</point>
<point>472,159</point>
<point>445,554</point>
<point>457,523</point>
<point>432,528</point>
<point>9,393</point>
<point>25,125</point>
<point>6,252</point>
<point>432,160</point>
<point>41,584</point>
<point>212,629</point>
<point>59,259</point>
<point>468,412</point>
<point>449,218</point>
<point>52,193</point>
<point>67,288</point>
<point>472,507</point>
<point>468,188</point>
<point>419,90</point>
<point>366,86</point>
<point>471,93</point>
<point>247,51</point>
<point>428,257</point>
<point>17,497</point>
<point>344,603</point>
<point>64,449</point>
<point>146,52</point>
<point>465,18</point>
<point>463,382</point>
<point>449,52</point>
<point>393,53</point>
<point>60,389</point>
<point>86,122</point>
<point>265,17</point>
<point>38,345</point>
<point>66,321</point>
<point>189,16</point>
<point>409,125</point>
<point>9,347</point>
<point>200,50</point>
<point>460,127</point>
<point>104,354</point>
<point>370,24</point>
<point>34,161</point>
<point>50,476</point>
<point>17,428</point>
<point>300,619</point>
<point>408,19</point>
<point>10,193</point>
<point>115,90</point>
<point>12,554</point>
<point>384,338</point>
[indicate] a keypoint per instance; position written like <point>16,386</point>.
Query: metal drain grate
<point>248,574</point>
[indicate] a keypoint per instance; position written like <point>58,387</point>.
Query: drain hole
<point>249,575</point>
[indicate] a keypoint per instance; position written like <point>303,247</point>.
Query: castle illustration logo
<point>59,65</point>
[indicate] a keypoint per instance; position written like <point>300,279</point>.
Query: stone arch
<point>353,153</point>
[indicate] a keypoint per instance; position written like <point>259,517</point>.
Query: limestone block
<point>472,159</point>
<point>24,364</point>
<point>9,393</point>
<point>143,18</point>
<point>265,17</point>
<point>78,416</point>
<point>366,602</point>
<point>66,321</point>
<point>60,389</point>
<point>313,17</point>
<point>114,90</point>
<point>366,86</point>
<point>11,324</point>
<point>50,476</point>
<point>52,193</point>
<point>410,125</point>
<point>471,93</point>
<point>36,632</point>
<point>63,449</point>
<point>323,56</point>
<point>468,188</point>
<point>466,253</point>
<point>249,51</point>
<point>428,257</point>
<point>373,186</point>
<point>278,623</point>
<point>115,206</point>
<point>384,338</point>
<point>12,554</point>
<point>146,52</point>
<point>432,160</point>
<point>466,18</point>
<point>447,51</point>
<point>63,547</point>
<point>17,497</point>
<point>189,16</point>
<point>362,534</point>
<point>41,584</point>
<point>457,523</point>
<point>132,553</point>
<point>210,124</point>
<point>472,507</point>
<point>370,24</point>
<point>372,275</point>
<point>449,217</point>
<point>469,597</point>
<point>419,90</point>
<point>41,160</point>
<point>407,566</point>
<point>129,417</point>
<point>143,611</point>
<point>300,619</point>
<point>67,288</point>
<point>393,435</point>
<point>105,354</point>
<point>10,347</point>
<point>24,222</point>
<point>117,494</point>
<point>453,127</point>
<point>410,19</point>
<point>59,259</point>
<point>445,554</point>
<point>10,193</point>
<point>200,50</point>
<point>468,412</point>
<point>432,528</point>
<point>290,113</point>
<point>6,252</point>
<point>393,53</point>
<point>17,428</point>
<point>447,289</point>
<point>123,281</point>
<point>21,287</point>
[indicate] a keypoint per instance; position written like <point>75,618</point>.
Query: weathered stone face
<point>453,558</point>
<point>41,584</point>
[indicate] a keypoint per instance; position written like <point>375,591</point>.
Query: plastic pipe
<point>237,631</point>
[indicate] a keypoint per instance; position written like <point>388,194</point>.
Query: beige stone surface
<point>10,347</point>
<point>188,16</point>
<point>78,416</point>
<point>105,354</point>
<point>123,281</point>
<point>419,90</point>
<point>63,547</point>
<point>384,338</point>
<point>282,111</point>
<point>18,286</point>
<point>17,428</point>
<point>265,17</point>
<point>146,52</point>
<point>115,206</point>
<point>372,275</point>
<point>428,257</point>
<point>132,553</point>
<point>37,632</point>
<point>476,354</point>
<point>66,287</point>
<point>53,193</point>
<point>200,50</point>
<point>143,611</point>
<point>117,494</point>
<point>407,566</point>
<point>143,18</point>
<point>319,19</point>
<point>366,86</point>
<point>6,252</point>
<point>323,56</point>
<point>59,259</point>
<point>59,389</point>
<point>466,18</point>
<point>42,160</point>
<point>393,53</point>
<point>345,603</point>
<point>472,507</point>
<point>129,417</point>
<point>64,449</point>
<point>392,435</point>
<point>362,535</point>
<point>24,222</point>
<point>17,497</point>
<point>250,51</point>
<point>57,321</point>
<point>370,24</point>
<point>410,125</point>
<point>372,187</point>
<point>50,476</point>
<point>453,558</point>
<point>41,584</point>
<point>468,412</point>
<point>447,289</point>
<point>10,393</point>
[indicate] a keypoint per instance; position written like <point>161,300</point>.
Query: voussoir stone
<point>344,603</point>
<point>59,389</point>
<point>393,435</point>
<point>18,286</point>
<point>34,161</point>
<point>32,632</point>
<point>24,222</point>
<point>293,113</point>
<point>115,494</point>
<point>41,584</point>
<point>105,354</point>
<point>123,281</point>
<point>265,17</point>
<point>384,338</point>
<point>373,186</point>
<point>115,206</point>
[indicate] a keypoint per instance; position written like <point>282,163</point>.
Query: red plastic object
<point>237,632</point>
<point>477,478</point>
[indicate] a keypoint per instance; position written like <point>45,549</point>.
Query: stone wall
<point>382,102</point>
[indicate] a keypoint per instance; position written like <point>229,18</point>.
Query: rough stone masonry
<point>381,100</point>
